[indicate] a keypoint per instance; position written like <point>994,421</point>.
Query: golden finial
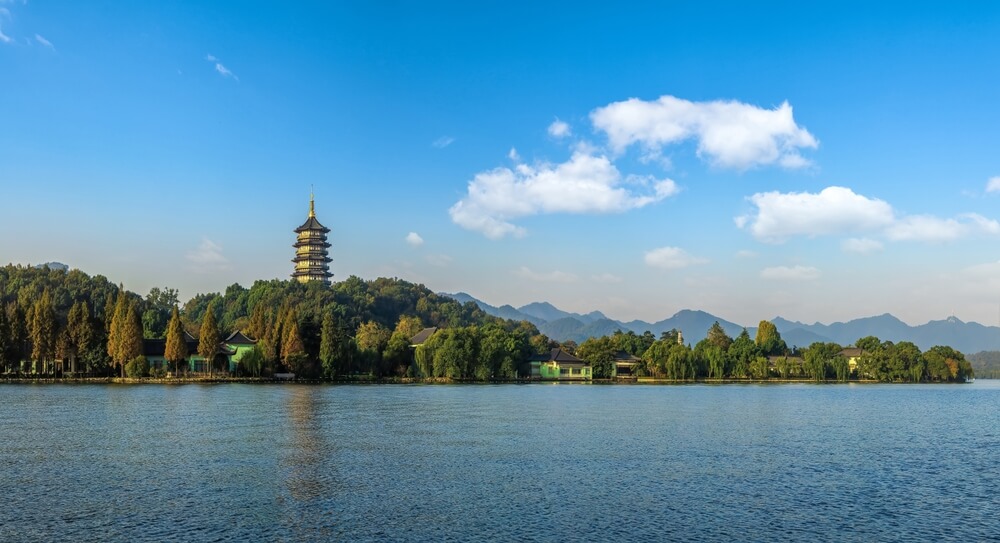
<point>312,203</point>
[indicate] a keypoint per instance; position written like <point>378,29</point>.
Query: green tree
<point>760,368</point>
<point>137,367</point>
<point>717,336</point>
<point>600,353</point>
<point>293,351</point>
<point>209,338</point>
<point>768,339</point>
<point>372,339</point>
<point>176,349</point>
<point>741,354</point>
<point>43,332</point>
<point>116,329</point>
<point>397,354</point>
<point>130,342</point>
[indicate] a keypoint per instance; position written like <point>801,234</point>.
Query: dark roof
<point>238,338</point>
<point>560,356</point>
<point>311,224</point>
<point>622,356</point>
<point>852,352</point>
<point>423,335</point>
<point>157,347</point>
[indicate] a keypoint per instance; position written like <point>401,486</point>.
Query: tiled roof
<point>238,338</point>
<point>423,335</point>
<point>312,224</point>
<point>622,356</point>
<point>560,356</point>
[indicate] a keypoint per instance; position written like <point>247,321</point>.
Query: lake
<point>233,462</point>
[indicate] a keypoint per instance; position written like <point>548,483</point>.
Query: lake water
<point>511,462</point>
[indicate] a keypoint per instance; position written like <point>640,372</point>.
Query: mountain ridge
<point>967,337</point>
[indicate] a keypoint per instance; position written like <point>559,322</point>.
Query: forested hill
<point>358,310</point>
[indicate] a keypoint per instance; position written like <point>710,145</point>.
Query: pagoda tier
<point>311,256</point>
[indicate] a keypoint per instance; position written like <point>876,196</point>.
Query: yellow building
<point>312,262</point>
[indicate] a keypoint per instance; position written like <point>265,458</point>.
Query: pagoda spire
<point>312,203</point>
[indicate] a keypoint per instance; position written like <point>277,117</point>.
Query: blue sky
<point>819,162</point>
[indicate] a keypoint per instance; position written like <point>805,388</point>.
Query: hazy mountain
<point>547,312</point>
<point>53,266</point>
<point>562,326</point>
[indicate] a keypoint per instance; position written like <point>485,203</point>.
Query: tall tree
<point>293,351</point>
<point>6,347</point>
<point>717,336</point>
<point>768,339</point>
<point>81,332</point>
<point>209,338</point>
<point>116,329</point>
<point>43,332</point>
<point>129,344</point>
<point>175,350</point>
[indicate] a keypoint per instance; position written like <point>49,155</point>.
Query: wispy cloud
<point>443,142</point>
<point>414,239</point>
<point>584,184</point>
<point>559,129</point>
<point>45,42</point>
<point>790,273</point>
<point>993,185</point>
<point>439,260</point>
<point>207,258</point>
<point>671,258</point>
<point>729,134</point>
<point>554,276</point>
<point>512,154</point>
<point>219,67</point>
<point>606,278</point>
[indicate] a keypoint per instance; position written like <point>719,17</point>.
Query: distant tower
<point>311,260</point>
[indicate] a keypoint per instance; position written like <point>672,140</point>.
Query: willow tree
<point>175,349</point>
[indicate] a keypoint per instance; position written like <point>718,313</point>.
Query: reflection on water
<point>535,462</point>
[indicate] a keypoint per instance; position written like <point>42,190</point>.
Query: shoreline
<point>431,381</point>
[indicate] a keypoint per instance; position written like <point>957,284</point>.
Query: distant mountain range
<point>968,337</point>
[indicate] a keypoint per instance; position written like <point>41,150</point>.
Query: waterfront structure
<point>853,356</point>
<point>625,365</point>
<point>229,353</point>
<point>312,261</point>
<point>558,365</point>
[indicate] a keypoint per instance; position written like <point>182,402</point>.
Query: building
<point>853,356</point>
<point>227,357</point>
<point>557,365</point>
<point>312,262</point>
<point>625,365</point>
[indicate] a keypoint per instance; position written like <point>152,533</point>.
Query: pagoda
<point>311,260</point>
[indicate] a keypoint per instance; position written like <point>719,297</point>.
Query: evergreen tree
<point>130,339</point>
<point>43,332</point>
<point>6,347</point>
<point>328,346</point>
<point>175,349</point>
<point>116,329</point>
<point>292,349</point>
<point>209,337</point>
<point>80,331</point>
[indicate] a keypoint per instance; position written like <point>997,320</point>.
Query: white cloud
<point>207,258</point>
<point>861,246</point>
<point>559,129</point>
<point>834,210</point>
<point>44,42</point>
<point>746,254</point>
<point>838,210</point>
<point>934,229</point>
<point>3,37</point>
<point>223,71</point>
<point>414,239</point>
<point>443,142</point>
<point>512,154</point>
<point>671,258</point>
<point>606,278</point>
<point>993,185</point>
<point>584,184</point>
<point>793,273</point>
<point>554,276</point>
<point>729,134</point>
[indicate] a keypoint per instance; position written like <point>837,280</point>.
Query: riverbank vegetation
<point>54,319</point>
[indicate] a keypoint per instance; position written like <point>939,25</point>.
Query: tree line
<point>358,327</point>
